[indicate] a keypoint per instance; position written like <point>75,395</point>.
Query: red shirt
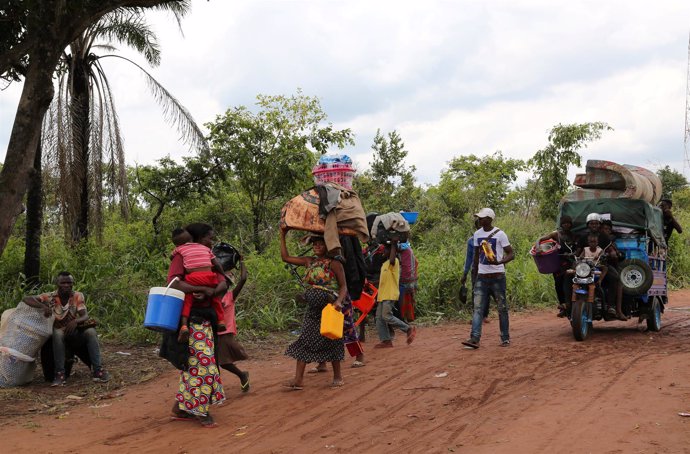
<point>229,309</point>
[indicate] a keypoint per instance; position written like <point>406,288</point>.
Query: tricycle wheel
<point>654,315</point>
<point>636,276</point>
<point>581,319</point>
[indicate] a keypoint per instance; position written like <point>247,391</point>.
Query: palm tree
<point>86,150</point>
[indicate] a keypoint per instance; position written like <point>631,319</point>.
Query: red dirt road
<point>619,392</point>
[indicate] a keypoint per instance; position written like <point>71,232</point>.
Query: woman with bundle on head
<point>326,280</point>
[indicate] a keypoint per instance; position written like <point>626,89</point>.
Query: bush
<point>115,276</point>
<point>441,255</point>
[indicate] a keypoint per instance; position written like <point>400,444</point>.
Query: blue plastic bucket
<point>163,309</point>
<point>410,216</point>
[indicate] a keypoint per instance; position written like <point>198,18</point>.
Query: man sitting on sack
<point>72,327</point>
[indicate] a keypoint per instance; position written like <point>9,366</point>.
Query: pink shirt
<point>194,255</point>
<point>228,303</point>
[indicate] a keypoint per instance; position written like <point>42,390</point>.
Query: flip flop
<point>207,422</point>
<point>292,387</point>
<point>337,384</point>
<point>182,418</point>
<point>245,385</point>
<point>316,370</point>
<point>358,364</point>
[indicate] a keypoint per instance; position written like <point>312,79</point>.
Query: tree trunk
<point>51,26</point>
<point>81,134</point>
<point>16,172</point>
<point>256,221</point>
<point>34,221</point>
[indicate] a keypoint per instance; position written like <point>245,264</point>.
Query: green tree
<point>551,163</point>
<point>470,182</point>
<point>389,185</point>
<point>34,36</point>
<point>88,151</point>
<point>172,184</point>
<point>672,181</point>
<point>524,200</point>
<point>271,152</point>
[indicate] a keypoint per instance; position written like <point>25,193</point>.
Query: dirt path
<point>619,392</point>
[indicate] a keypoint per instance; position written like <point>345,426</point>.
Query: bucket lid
<point>167,291</point>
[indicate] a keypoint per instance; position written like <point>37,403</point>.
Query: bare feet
<point>384,344</point>
<point>411,334</point>
<point>207,421</point>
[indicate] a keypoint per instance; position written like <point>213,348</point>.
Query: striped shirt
<point>194,255</point>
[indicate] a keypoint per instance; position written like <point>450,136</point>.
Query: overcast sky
<point>453,77</point>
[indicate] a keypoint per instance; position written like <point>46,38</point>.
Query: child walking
<point>228,349</point>
<point>389,293</point>
<point>200,267</point>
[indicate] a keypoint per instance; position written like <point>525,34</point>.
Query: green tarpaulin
<point>636,214</point>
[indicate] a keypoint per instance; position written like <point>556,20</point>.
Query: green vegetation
<point>117,274</point>
<point>256,162</point>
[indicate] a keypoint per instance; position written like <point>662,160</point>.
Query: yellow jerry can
<point>332,322</point>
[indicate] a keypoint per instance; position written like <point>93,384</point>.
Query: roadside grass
<point>116,275</point>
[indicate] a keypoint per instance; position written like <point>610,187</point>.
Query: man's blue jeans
<point>87,336</point>
<point>484,286</point>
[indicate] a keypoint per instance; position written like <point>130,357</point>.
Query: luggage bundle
<point>334,169</point>
<point>608,180</point>
<point>22,333</point>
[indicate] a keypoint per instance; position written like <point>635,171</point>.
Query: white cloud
<point>453,78</point>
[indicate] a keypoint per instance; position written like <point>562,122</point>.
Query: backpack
<point>227,255</point>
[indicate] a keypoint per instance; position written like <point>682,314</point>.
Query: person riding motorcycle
<point>611,283</point>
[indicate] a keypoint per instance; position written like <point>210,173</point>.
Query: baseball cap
<point>593,217</point>
<point>486,213</point>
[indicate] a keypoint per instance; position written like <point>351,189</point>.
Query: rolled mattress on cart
<point>606,179</point>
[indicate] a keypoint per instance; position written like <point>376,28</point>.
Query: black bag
<point>227,255</point>
<point>384,236</point>
<point>463,294</point>
<point>354,267</point>
<point>176,352</point>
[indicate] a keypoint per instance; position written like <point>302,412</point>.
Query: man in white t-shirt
<point>491,251</point>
